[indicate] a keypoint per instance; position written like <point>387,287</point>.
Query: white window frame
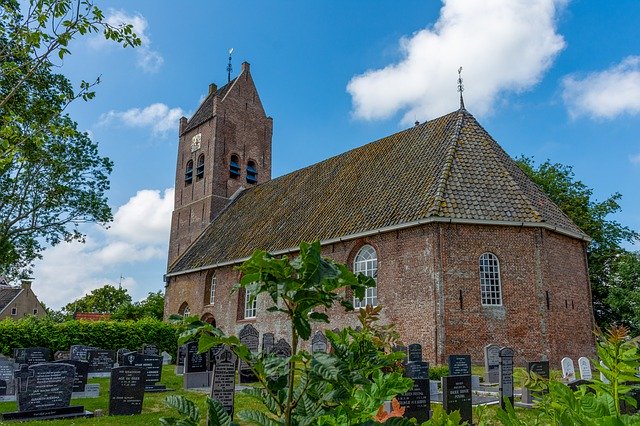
<point>366,262</point>
<point>250,310</point>
<point>490,282</point>
<point>212,289</point>
<point>186,311</point>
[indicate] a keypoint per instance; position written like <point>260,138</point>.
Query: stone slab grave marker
<point>568,372</point>
<point>491,363</point>
<point>415,352</point>
<point>456,395</point>
<point>268,340</point>
<point>44,392</point>
<point>150,349</point>
<point>180,355</point>
<point>81,373</point>
<point>249,337</point>
<point>101,361</point>
<point>282,349</point>
<point>7,368</point>
<point>506,376</point>
<point>459,365</point>
<point>166,358</point>
<point>541,368</point>
<point>319,343</point>
<point>32,356</point>
<point>3,387</point>
<point>416,401</point>
<point>153,369</point>
<point>79,352</point>
<point>223,382</point>
<point>433,389</point>
<point>120,355</point>
<point>211,357</point>
<point>401,349</point>
<point>126,390</point>
<point>61,355</point>
<point>196,374</point>
<point>585,368</point>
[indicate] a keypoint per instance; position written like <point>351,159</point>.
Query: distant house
<point>18,302</point>
<point>91,316</point>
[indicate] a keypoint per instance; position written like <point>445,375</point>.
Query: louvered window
<point>188,173</point>
<point>234,167</point>
<point>252,173</point>
<point>200,168</point>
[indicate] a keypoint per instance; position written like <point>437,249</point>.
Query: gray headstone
<point>249,337</point>
<point>79,352</point>
<point>459,365</point>
<point>603,378</point>
<point>282,348</point>
<point>44,386</point>
<point>224,378</point>
<point>7,368</point>
<point>475,382</point>
<point>196,374</point>
<point>585,368</point>
<point>506,376</point>
<point>319,343</point>
<point>491,363</point>
<point>415,352</point>
<point>166,358</point>
<point>126,390</point>
<point>541,368</point>
<point>433,386</point>
<point>268,340</point>
<point>180,356</point>
<point>456,395</point>
<point>568,372</point>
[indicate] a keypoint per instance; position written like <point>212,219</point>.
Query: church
<point>465,249</point>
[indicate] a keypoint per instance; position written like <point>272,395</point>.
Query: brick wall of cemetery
<point>422,272</point>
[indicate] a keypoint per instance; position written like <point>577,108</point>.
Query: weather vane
<point>229,68</point>
<point>460,87</point>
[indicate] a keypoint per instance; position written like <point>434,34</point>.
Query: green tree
<point>104,300</point>
<point>576,201</point>
<point>151,307</point>
<point>623,285</point>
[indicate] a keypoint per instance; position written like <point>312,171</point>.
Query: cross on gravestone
<point>46,385</point>
<point>224,378</point>
<point>249,337</point>
<point>491,363</point>
<point>506,376</point>
<point>459,365</point>
<point>79,352</point>
<point>568,372</point>
<point>585,368</point>
<point>416,401</point>
<point>268,340</point>
<point>456,395</point>
<point>319,342</point>
<point>540,368</point>
<point>415,352</point>
<point>126,390</point>
<point>81,373</point>
<point>32,356</point>
<point>281,349</point>
<point>153,369</point>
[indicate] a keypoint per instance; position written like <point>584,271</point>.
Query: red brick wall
<point>421,272</point>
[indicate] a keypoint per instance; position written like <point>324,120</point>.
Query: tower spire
<point>460,87</point>
<point>229,67</point>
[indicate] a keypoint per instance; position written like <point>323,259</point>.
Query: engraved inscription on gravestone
<point>79,352</point>
<point>194,361</point>
<point>585,368</point>
<point>101,361</point>
<point>415,352</point>
<point>224,378</point>
<point>81,373</point>
<point>126,390</point>
<point>153,368</point>
<point>417,401</point>
<point>32,356</point>
<point>282,349</point>
<point>491,363</point>
<point>319,343</point>
<point>456,395</point>
<point>45,386</point>
<point>541,368</point>
<point>506,376</point>
<point>568,372</point>
<point>149,349</point>
<point>7,368</point>
<point>268,340</point>
<point>459,365</point>
<point>248,336</point>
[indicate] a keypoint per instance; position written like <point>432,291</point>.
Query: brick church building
<point>465,249</point>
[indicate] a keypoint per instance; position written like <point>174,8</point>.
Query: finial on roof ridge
<point>460,87</point>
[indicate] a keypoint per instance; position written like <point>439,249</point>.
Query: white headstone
<point>585,368</point>
<point>603,378</point>
<point>433,386</point>
<point>166,358</point>
<point>568,372</point>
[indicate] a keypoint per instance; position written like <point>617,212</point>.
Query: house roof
<point>205,110</point>
<point>448,168</point>
<point>7,294</point>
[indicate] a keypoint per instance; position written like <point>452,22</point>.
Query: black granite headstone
<point>268,340</point>
<point>120,355</point>
<point>32,356</point>
<point>459,365</point>
<point>126,391</point>
<point>194,361</point>
<point>44,386</point>
<point>182,353</point>
<point>456,395</point>
<point>506,376</point>
<point>211,356</point>
<point>415,352</point>
<point>417,401</point>
<point>81,373</point>
<point>541,368</point>
<point>282,349</point>
<point>79,352</point>
<point>101,360</point>
<point>319,343</point>
<point>249,337</point>
<point>224,378</point>
<point>153,368</point>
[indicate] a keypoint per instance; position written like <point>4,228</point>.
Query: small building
<point>18,302</point>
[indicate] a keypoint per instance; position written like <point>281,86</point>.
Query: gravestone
<point>81,373</point>
<point>120,355</point>
<point>196,374</point>
<point>416,401</point>
<point>456,395</point>
<point>268,340</point>
<point>568,372</point>
<point>182,352</point>
<point>211,356</point>
<point>60,355</point>
<point>126,390</point>
<point>319,343</point>
<point>44,392</point>
<point>166,358</point>
<point>101,361</point>
<point>79,352</point>
<point>433,389</point>
<point>491,363</point>
<point>585,368</point>
<point>153,369</point>
<point>459,365</point>
<point>415,352</point>
<point>224,378</point>
<point>281,349</point>
<point>249,337</point>
<point>541,368</point>
<point>401,349</point>
<point>32,356</point>
<point>506,376</point>
<point>149,349</point>
<point>3,387</point>
<point>7,368</point>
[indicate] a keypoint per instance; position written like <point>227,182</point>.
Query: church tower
<point>223,149</point>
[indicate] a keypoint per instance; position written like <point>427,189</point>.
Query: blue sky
<point>556,80</point>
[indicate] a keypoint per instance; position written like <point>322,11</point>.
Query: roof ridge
<point>446,168</point>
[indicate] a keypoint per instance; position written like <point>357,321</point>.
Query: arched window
<point>184,310</point>
<point>200,168</point>
<point>212,289</point>
<point>366,262</point>
<point>188,173</point>
<point>490,288</point>
<point>250,307</point>
<point>252,173</point>
<point>234,167</point>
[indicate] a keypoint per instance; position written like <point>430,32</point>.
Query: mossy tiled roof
<point>7,294</point>
<point>449,168</point>
<point>205,110</point>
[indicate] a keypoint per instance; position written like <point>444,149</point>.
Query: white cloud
<point>635,159</point>
<point>605,94</point>
<point>148,59</point>
<point>137,239</point>
<point>158,116</point>
<point>502,45</point>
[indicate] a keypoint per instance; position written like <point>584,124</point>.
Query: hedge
<point>34,332</point>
